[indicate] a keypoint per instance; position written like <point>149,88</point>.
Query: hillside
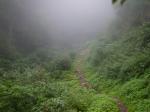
<point>114,68</point>
<point>122,67</point>
<point>74,56</point>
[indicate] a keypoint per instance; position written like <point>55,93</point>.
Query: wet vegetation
<point>41,73</point>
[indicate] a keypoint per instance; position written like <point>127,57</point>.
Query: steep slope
<point>125,57</point>
<point>121,67</point>
<point>85,84</point>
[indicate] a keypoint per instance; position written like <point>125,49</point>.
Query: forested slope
<point>122,67</point>
<point>119,61</point>
<point>125,57</point>
<point>41,74</point>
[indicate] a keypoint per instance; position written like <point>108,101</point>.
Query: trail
<point>84,83</point>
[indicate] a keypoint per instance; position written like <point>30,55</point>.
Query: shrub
<point>136,94</point>
<point>125,57</point>
<point>103,104</point>
<point>51,105</point>
<point>16,99</point>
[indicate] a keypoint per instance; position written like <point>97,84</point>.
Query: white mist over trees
<point>71,20</point>
<point>27,25</point>
<point>74,56</point>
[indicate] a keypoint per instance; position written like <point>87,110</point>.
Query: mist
<point>72,21</point>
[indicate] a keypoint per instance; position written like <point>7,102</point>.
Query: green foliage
<point>16,99</point>
<point>136,94</point>
<point>79,99</point>
<point>30,84</point>
<point>31,98</point>
<point>122,67</point>
<point>51,105</point>
<point>103,104</point>
<point>138,87</point>
<point>40,82</point>
<point>125,57</point>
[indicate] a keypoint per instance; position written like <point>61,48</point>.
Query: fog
<point>71,20</point>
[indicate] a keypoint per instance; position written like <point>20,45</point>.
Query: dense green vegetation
<point>125,57</point>
<point>37,76</point>
<point>28,82</point>
<point>44,82</point>
<point>123,67</point>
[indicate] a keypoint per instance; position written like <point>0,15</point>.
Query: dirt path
<point>120,105</point>
<point>81,78</point>
<point>84,83</point>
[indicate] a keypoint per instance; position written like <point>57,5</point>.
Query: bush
<point>136,94</point>
<point>125,57</point>
<point>16,99</point>
<point>78,99</point>
<point>136,89</point>
<point>51,105</point>
<point>103,104</point>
